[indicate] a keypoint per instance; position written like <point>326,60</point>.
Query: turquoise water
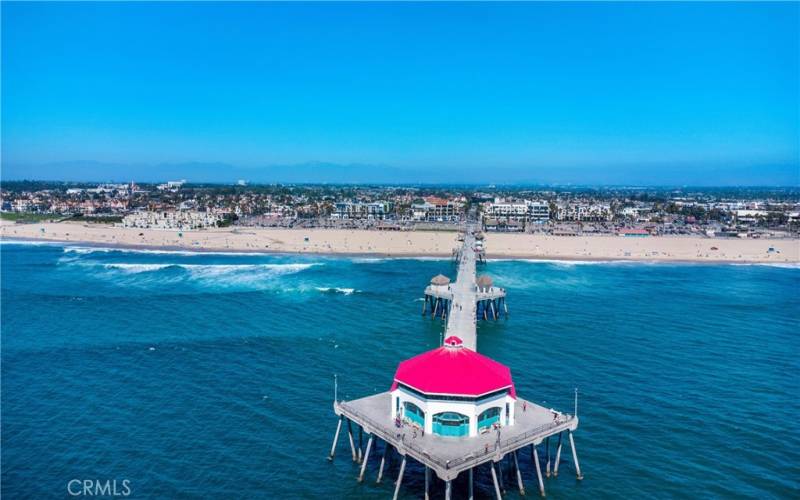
<point>211,375</point>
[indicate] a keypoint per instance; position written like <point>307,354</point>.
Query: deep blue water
<point>211,375</point>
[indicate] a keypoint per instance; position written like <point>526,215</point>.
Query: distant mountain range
<point>325,172</point>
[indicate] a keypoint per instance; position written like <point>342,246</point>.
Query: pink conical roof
<point>454,370</point>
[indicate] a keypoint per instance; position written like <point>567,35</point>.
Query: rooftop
<point>453,369</point>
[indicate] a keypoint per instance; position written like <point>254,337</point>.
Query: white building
<point>524,210</point>
<point>377,210</point>
<point>584,212</point>
<point>171,185</point>
<point>434,209</point>
<point>750,215</point>
<point>453,391</point>
<point>172,219</point>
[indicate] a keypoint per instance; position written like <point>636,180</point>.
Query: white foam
<point>249,275</point>
<point>86,250</point>
<point>92,249</point>
<point>137,268</point>
<point>368,260</point>
<point>780,265</point>
<point>345,291</point>
<point>4,241</point>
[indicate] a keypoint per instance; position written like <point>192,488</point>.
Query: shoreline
<point>410,244</point>
<point>543,258</point>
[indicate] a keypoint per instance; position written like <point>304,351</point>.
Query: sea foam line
<point>4,241</point>
<point>345,291</point>
<point>89,250</point>
<point>207,269</point>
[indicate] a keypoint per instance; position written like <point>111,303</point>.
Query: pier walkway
<point>461,320</point>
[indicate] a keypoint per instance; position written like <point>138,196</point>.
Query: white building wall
<point>468,408</point>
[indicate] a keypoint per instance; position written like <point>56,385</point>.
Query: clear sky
<point>616,93</point>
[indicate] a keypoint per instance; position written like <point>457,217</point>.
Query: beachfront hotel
<point>453,391</point>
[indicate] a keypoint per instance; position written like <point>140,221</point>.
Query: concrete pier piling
<point>366,459</point>
<point>575,457</point>
<point>352,441</point>
<point>399,478</point>
<point>538,470</point>
<point>496,484</point>
<point>383,462</point>
<point>547,455</point>
<point>558,456</point>
<point>519,474</point>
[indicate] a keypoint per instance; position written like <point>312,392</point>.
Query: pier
<point>452,409</point>
<point>468,299</point>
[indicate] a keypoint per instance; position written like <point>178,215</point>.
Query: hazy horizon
<point>327,173</point>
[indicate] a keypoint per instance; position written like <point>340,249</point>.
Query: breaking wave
<point>83,250</point>
<point>344,291</point>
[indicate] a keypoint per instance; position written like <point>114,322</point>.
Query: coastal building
<point>349,210</point>
<point>511,216</point>
<point>538,211</point>
<point>583,212</point>
<point>503,226</point>
<point>750,215</point>
<point>171,185</point>
<point>453,391</point>
<point>172,219</point>
<point>435,209</point>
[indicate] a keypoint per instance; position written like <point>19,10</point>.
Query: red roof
<point>454,370</point>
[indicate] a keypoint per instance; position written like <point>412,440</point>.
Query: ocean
<point>202,374</point>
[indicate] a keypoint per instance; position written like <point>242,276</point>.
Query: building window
<point>489,417</point>
<point>413,413</point>
<point>451,424</point>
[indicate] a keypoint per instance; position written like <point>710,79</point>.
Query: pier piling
<point>558,455</point>
<point>383,462</point>
<point>547,454</point>
<point>360,444</point>
<point>399,478</point>
<point>352,441</point>
<point>538,470</point>
<point>427,483</point>
<point>494,480</point>
<point>519,475</point>
<point>336,438</point>
<point>366,459</point>
<point>575,457</point>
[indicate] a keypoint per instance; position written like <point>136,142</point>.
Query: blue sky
<point>660,93</point>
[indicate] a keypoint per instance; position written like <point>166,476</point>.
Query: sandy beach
<point>414,243</point>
